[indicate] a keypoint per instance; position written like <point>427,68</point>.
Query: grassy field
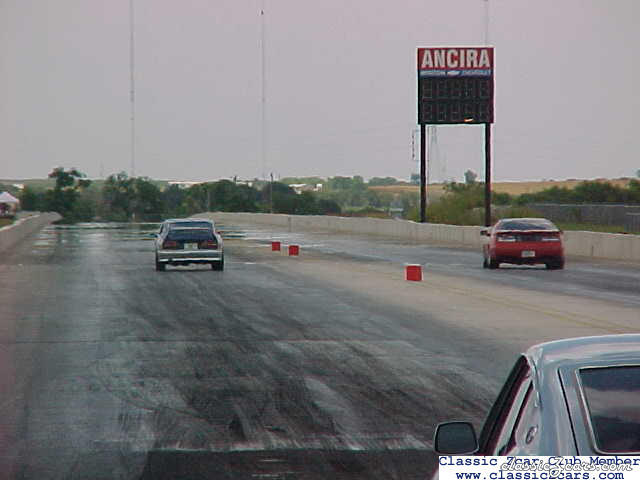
<point>5,221</point>
<point>518,188</point>
<point>512,188</point>
<point>434,190</point>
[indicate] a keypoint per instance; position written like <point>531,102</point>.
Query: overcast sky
<point>340,83</point>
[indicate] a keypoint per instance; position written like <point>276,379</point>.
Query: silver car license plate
<point>528,253</point>
<point>190,246</point>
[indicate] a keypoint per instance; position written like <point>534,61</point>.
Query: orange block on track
<point>413,273</point>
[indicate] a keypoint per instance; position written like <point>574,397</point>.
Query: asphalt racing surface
<point>326,366</point>
<point>607,280</point>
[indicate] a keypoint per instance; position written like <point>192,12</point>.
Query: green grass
<point>365,212</point>
<point>589,227</point>
<point>5,221</point>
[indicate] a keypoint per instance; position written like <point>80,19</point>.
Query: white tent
<point>6,197</point>
<point>8,205</point>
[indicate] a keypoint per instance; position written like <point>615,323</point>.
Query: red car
<point>523,241</point>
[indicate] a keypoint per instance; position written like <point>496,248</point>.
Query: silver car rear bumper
<point>189,256</point>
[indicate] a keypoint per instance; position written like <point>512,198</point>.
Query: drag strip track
<point>324,366</point>
<point>615,281</point>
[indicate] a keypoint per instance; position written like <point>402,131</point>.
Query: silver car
<point>188,240</point>
<point>569,397</point>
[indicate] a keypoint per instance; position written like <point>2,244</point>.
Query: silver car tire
<point>218,266</point>
<point>160,267</point>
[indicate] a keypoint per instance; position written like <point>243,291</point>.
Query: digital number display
<point>455,100</point>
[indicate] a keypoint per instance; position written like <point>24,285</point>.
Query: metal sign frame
<point>455,86</point>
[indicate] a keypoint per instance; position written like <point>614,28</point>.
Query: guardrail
<point>22,228</point>
<point>588,244</point>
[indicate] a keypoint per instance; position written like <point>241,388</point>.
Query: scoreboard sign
<point>455,85</point>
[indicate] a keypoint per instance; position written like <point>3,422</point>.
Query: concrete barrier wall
<point>587,244</point>
<point>603,245</point>
<point>21,229</point>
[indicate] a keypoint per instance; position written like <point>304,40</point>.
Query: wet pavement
<point>109,369</point>
<point>615,281</point>
<point>113,370</point>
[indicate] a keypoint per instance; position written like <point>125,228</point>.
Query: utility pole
<point>263,126</point>
<point>132,88</point>
<point>487,138</point>
<point>487,174</point>
<point>271,194</point>
<point>423,173</point>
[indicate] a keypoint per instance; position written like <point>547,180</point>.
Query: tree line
<point>122,198</point>
<point>585,192</point>
<point>463,203</point>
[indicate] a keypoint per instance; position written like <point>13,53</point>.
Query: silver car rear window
<point>198,234</point>
<point>190,225</point>
<point>612,396</point>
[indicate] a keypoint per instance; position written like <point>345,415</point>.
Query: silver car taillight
<point>208,245</point>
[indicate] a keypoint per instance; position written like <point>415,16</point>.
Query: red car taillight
<point>551,237</point>
<point>502,237</point>
<point>208,245</point>
<point>170,244</point>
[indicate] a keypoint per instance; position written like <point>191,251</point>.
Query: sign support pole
<point>487,174</point>
<point>423,173</point>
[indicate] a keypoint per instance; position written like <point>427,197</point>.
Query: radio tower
<point>433,166</point>
<point>413,146</point>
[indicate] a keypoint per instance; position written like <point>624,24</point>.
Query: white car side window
<point>504,442</point>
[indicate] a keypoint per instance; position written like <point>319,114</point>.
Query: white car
<point>189,240</point>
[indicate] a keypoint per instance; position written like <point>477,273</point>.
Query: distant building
<point>249,183</point>
<point>305,187</point>
<point>184,185</point>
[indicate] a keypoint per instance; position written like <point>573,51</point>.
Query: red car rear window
<point>528,224</point>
